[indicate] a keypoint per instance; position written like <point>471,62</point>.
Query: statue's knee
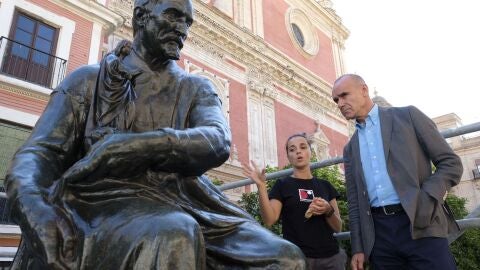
<point>292,257</point>
<point>178,226</point>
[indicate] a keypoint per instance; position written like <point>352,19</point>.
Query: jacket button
<point>364,193</point>
<point>368,212</point>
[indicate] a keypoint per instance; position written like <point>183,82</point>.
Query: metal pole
<point>446,134</point>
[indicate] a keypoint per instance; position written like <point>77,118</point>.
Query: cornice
<point>324,17</point>
<point>250,50</point>
<point>94,11</point>
<point>22,91</point>
<point>218,36</point>
<point>124,8</point>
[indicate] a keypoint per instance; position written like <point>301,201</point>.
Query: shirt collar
<point>371,117</point>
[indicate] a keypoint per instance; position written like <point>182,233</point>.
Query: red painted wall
<point>22,103</point>
<point>238,118</point>
<point>276,34</point>
<point>337,141</point>
<point>289,122</point>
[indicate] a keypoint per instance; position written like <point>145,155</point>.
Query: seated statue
<point>135,198</point>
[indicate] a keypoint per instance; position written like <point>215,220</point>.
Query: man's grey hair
<point>355,77</point>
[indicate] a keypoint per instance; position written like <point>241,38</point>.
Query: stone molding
<point>324,17</point>
<point>22,91</point>
<point>320,143</point>
<point>252,51</point>
<point>109,19</point>
<point>215,34</point>
<point>124,8</point>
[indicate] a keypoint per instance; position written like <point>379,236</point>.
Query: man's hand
<point>358,260</point>
<point>48,231</point>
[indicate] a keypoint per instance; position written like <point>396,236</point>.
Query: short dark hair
<point>301,134</point>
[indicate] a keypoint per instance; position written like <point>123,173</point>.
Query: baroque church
<point>273,63</point>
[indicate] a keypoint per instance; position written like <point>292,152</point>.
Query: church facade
<point>273,63</point>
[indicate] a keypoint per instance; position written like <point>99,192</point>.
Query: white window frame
<point>65,26</point>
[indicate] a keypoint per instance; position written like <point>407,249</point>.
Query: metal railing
<point>30,64</point>
<point>320,164</point>
<point>470,221</point>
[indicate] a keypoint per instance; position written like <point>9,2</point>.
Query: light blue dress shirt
<point>380,188</point>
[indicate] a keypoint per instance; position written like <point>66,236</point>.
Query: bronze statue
<point>135,197</point>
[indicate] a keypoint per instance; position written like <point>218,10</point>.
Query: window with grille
<point>11,138</point>
<point>29,53</point>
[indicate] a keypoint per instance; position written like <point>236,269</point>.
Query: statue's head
<point>161,26</point>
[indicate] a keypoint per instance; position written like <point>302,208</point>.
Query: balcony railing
<point>29,64</point>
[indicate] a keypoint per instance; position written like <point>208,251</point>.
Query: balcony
<point>30,64</point>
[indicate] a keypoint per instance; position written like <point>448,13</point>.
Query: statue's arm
<point>203,145</point>
<point>48,152</point>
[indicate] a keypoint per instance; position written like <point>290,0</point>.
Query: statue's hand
<point>48,231</point>
<point>118,155</point>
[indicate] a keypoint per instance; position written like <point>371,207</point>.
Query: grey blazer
<point>411,143</point>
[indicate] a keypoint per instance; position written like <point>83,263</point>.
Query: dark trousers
<point>395,249</point>
<point>335,262</point>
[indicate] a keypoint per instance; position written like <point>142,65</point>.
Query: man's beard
<point>171,50</point>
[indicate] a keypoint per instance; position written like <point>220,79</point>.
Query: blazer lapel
<point>386,126</point>
<point>356,156</point>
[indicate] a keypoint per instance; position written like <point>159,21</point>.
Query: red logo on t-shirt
<point>306,195</point>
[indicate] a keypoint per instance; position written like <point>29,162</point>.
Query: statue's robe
<point>167,216</point>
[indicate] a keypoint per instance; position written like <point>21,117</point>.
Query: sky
<point>424,53</point>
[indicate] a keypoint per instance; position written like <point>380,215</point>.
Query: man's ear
<point>365,90</point>
<point>140,16</point>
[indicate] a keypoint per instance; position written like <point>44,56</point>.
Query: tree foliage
<point>466,249</point>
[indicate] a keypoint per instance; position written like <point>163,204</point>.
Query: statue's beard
<point>171,50</point>
<point>163,49</point>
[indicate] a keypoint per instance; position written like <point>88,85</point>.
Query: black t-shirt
<point>313,236</point>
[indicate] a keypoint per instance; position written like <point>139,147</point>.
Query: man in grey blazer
<point>398,218</point>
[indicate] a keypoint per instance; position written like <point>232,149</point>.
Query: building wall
<point>276,34</point>
<point>270,87</point>
<point>80,45</point>
<point>467,147</point>
<point>238,119</point>
<point>337,141</point>
<point>27,104</point>
<point>237,101</point>
<point>289,122</point>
